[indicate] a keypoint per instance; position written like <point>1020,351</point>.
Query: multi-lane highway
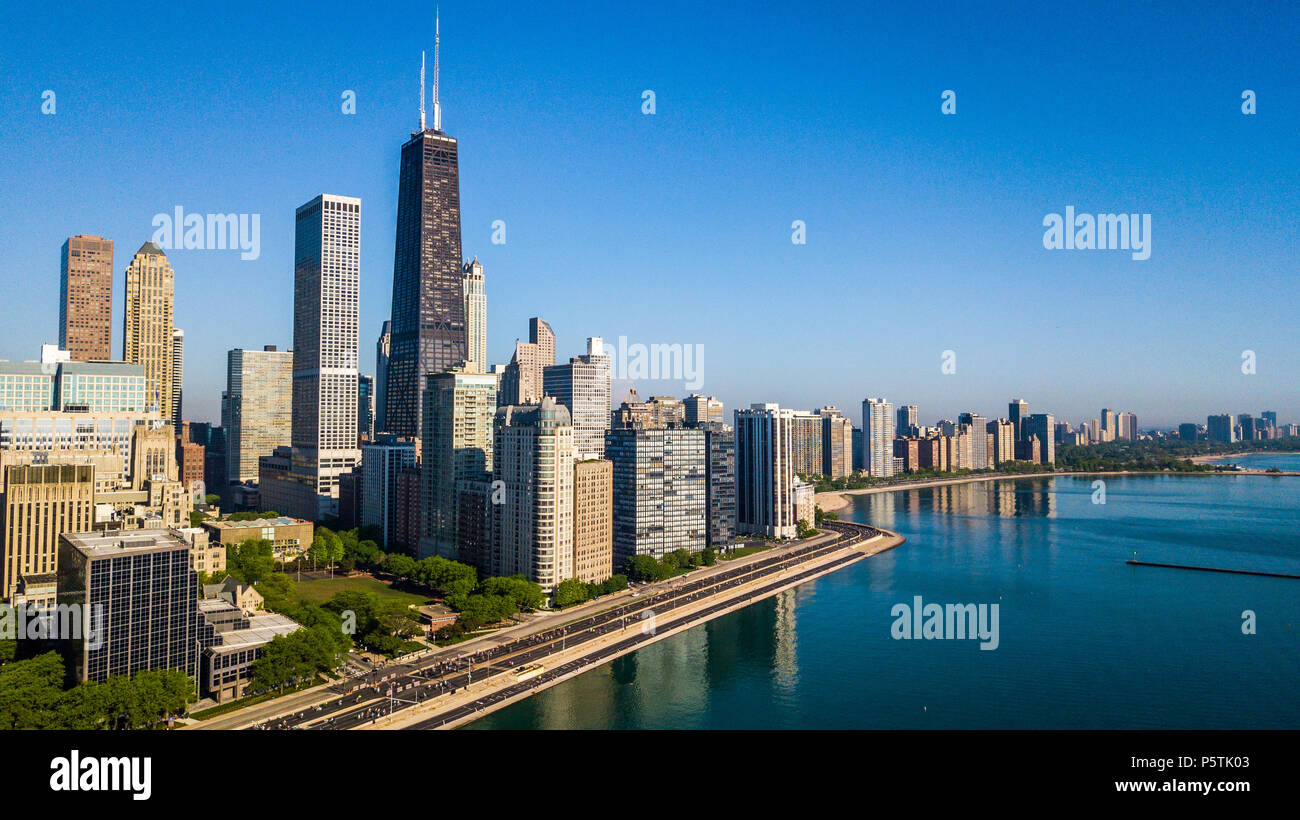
<point>403,686</point>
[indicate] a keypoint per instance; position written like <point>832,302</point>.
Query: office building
<point>428,333</point>
<point>148,331</point>
<point>289,537</point>
<point>700,410</point>
<point>1018,413</point>
<point>1221,429</point>
<point>523,380</point>
<point>258,408</point>
<point>908,421</point>
<point>382,348</point>
<point>533,461</point>
<point>137,590</point>
<point>178,375</point>
<point>593,520</point>
<point>365,408</point>
<point>1003,436</point>
<point>765,471</point>
<point>38,503</point>
<point>1041,426</point>
<point>878,437</point>
<point>583,387</point>
<point>86,298</point>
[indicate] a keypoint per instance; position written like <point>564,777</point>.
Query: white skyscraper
<point>583,386</point>
<point>327,276</point>
<point>878,437</point>
<point>475,318</point>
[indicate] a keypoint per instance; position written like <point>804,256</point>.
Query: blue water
<point>1086,641</point>
<point>1261,461</point>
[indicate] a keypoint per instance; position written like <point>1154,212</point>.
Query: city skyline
<point>937,175</point>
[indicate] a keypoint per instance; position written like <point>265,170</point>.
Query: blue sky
<point>924,231</point>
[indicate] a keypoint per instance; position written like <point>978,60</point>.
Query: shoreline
<point>1211,459</point>
<point>835,500</point>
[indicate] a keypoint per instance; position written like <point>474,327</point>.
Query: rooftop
<point>109,543</point>
<point>257,523</point>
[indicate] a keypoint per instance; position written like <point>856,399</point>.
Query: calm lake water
<point>1086,641</point>
<point>1261,461</point>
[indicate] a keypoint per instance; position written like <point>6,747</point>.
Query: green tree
<point>571,592</point>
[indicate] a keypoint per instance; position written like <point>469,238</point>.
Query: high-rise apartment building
<point>147,330</point>
<point>765,471</point>
<point>456,445</point>
<point>720,483</point>
<point>878,437</point>
<point>806,438</point>
<point>593,520</point>
<point>428,311</point>
<point>326,292</point>
<point>382,462</point>
<point>660,494</point>
<point>533,525</point>
<point>475,317</point>
<point>1127,424</point>
<point>258,408</point>
<point>1003,434</point>
<point>583,386</point>
<point>86,298</point>
<point>837,443</point>
<point>38,503</point>
<point>976,426</point>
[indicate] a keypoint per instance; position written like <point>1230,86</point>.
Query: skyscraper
<point>1041,426</point>
<point>878,437</point>
<point>382,463</point>
<point>701,410</point>
<point>1220,428</point>
<point>258,408</point>
<point>366,407</point>
<point>522,382</point>
<point>908,420</point>
<point>38,503</point>
<point>147,327</point>
<point>381,376</point>
<point>765,471</point>
<point>475,318</point>
<point>456,445</point>
<point>583,386</point>
<point>533,524</point>
<point>1018,412</point>
<point>720,482</point>
<point>806,438</point>
<point>428,312</point>
<point>178,375</point>
<point>837,443</point>
<point>326,289</point>
<point>86,298</point>
<point>660,494</point>
<point>593,511</point>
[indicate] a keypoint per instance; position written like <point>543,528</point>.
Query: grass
<point>320,591</point>
<point>743,551</point>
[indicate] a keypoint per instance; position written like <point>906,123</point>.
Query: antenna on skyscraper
<point>437,107</point>
<point>421,91</point>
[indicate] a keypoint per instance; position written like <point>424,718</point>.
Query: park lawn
<point>320,591</point>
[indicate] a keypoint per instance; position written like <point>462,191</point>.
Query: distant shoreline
<point>1212,458</point>
<point>834,500</point>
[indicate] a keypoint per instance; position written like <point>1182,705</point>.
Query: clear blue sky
<point>924,231</point>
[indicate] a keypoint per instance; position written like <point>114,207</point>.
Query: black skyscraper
<point>428,316</point>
